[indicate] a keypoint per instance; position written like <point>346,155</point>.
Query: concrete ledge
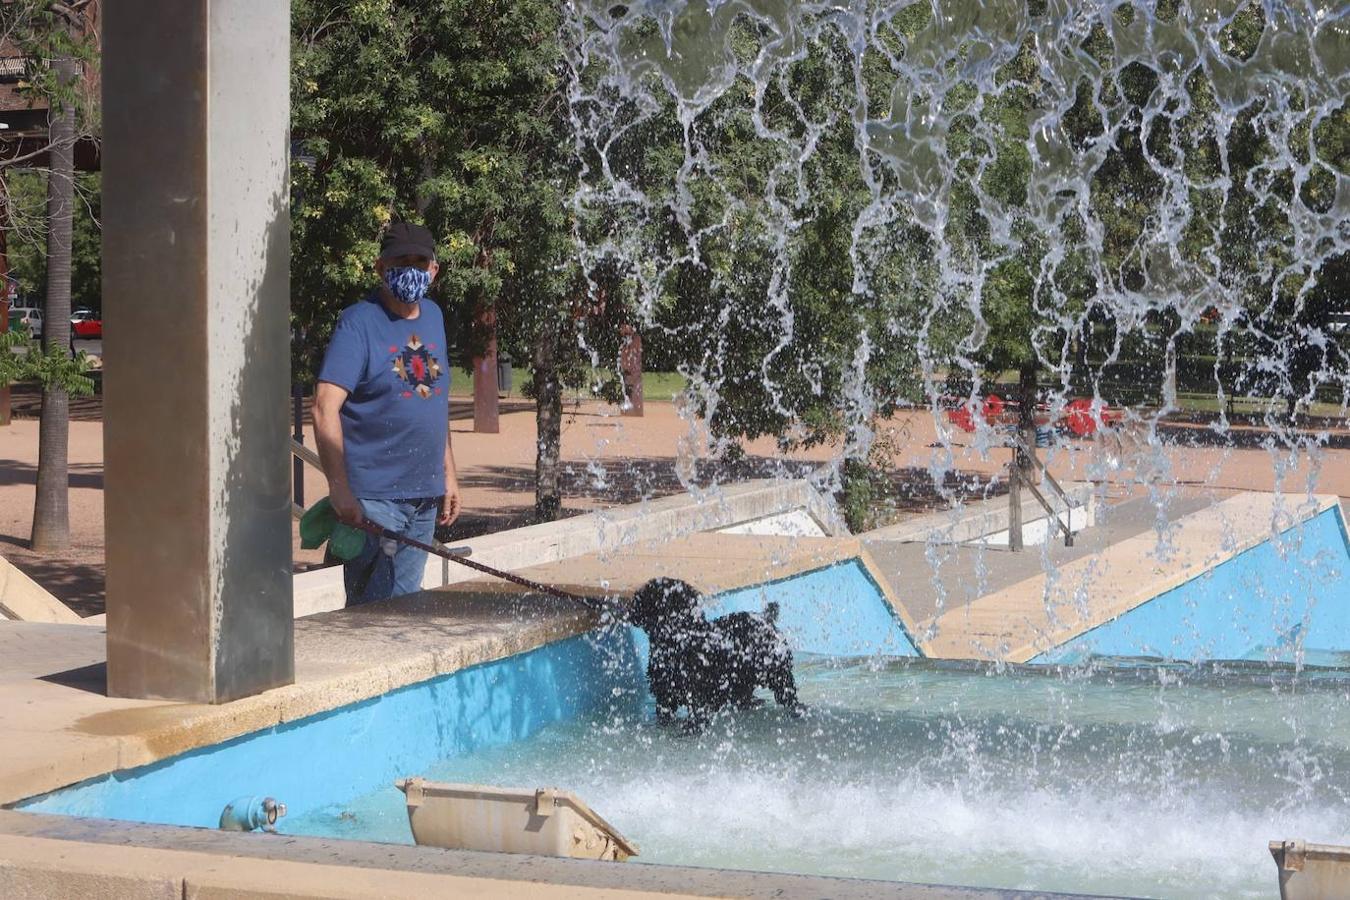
<point>1023,620</point>
<point>50,855</point>
<point>600,532</point>
<point>712,563</point>
<point>57,726</point>
<point>974,520</point>
<point>24,599</point>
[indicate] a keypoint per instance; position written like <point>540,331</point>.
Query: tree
<point>755,250</point>
<point>451,113</point>
<point>28,250</point>
<point>51,514</point>
<point>60,33</point>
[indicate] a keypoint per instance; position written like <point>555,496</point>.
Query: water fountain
<point>1131,204</point>
<point>1102,198</point>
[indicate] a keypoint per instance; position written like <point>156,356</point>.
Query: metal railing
<point>1025,458</point>
<point>303,456</point>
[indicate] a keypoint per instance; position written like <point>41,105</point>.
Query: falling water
<point>1136,201</point>
<point>1154,173</point>
<point>1120,782</point>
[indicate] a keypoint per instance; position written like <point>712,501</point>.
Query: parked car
<point>28,319</point>
<point>85,323</point>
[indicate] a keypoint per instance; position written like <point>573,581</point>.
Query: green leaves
<point>28,236</point>
<point>54,369</point>
<point>445,112</point>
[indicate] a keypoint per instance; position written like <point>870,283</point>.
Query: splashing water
<point>1122,197</point>
<point>1127,781</point>
<point>838,210</point>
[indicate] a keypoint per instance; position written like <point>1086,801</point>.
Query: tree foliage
<point>444,112</point>
<point>754,277</point>
<point>451,113</point>
<point>28,245</point>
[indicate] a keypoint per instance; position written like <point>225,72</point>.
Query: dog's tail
<point>771,612</point>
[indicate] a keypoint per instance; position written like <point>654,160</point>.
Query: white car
<point>26,317</point>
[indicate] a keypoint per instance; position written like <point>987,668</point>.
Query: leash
<point>460,555</point>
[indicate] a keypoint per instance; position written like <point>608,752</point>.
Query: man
<point>382,414</point>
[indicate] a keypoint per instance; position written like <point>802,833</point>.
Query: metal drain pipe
<point>251,813</point>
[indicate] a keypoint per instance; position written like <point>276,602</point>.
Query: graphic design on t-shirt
<point>417,367</point>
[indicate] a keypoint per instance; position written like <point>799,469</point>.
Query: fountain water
<point>835,210</point>
<point>1126,200</point>
<point>842,209</point>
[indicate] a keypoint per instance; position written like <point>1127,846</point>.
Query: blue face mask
<point>408,283</point>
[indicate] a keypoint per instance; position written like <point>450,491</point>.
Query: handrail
<point>1020,453</point>
<point>306,454</point>
<point>1021,445</point>
<point>1049,511</point>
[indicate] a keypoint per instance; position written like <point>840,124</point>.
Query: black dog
<point>707,666</point>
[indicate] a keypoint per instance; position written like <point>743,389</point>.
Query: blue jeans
<point>377,575</point>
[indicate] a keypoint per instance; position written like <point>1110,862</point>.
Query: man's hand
<point>450,504</point>
<point>346,505</point>
<point>328,401</point>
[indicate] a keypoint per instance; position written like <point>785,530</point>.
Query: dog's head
<point>664,603</point>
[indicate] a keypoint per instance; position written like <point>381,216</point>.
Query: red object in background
<point>992,408</point>
<point>962,417</point>
<point>87,328</point>
<point>1077,419</point>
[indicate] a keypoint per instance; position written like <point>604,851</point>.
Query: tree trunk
<point>486,409</point>
<point>1026,402</point>
<point>4,298</point>
<point>1020,468</point>
<point>51,512</point>
<point>548,422</point>
<point>630,370</point>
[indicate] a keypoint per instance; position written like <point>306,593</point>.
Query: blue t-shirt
<point>397,413</point>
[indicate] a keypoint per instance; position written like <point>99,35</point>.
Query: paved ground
<point>951,575</point>
<point>1017,620</point>
<point>611,460</point>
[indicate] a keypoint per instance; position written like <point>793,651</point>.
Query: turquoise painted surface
<point>835,611</point>
<point>326,760</point>
<point>1285,600</point>
<point>1272,602</point>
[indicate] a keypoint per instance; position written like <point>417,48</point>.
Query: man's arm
<point>328,400</point>
<point>450,505</point>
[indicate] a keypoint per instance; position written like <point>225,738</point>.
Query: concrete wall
<point>1284,600</point>
<point>24,599</point>
<point>655,521</point>
<point>335,756</point>
<point>54,857</point>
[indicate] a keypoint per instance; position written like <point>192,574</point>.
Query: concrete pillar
<point>486,418</point>
<point>196,281</point>
<point>630,370</point>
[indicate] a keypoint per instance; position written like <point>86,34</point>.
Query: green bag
<point>320,523</point>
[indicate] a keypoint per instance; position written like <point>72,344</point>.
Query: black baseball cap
<point>407,239</point>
